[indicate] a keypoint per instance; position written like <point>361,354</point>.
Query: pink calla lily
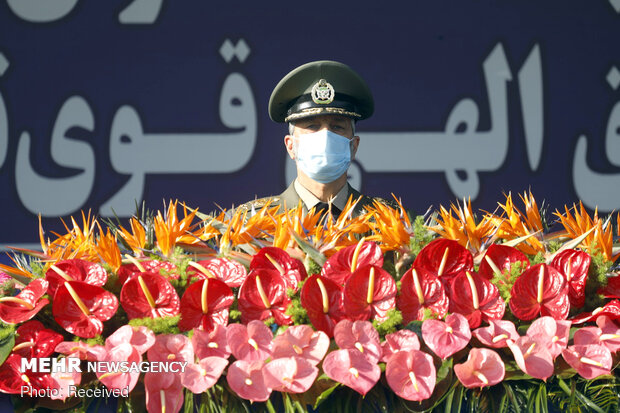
<point>590,361</point>
<point>246,379</point>
<point>203,375</point>
<point>164,392</point>
<point>211,344</point>
<point>301,341</point>
<point>402,340</point>
<point>290,374</point>
<point>553,333</point>
<point>533,357</point>
<point>140,337</point>
<point>497,334</point>
<point>484,367</point>
<point>411,374</point>
<point>171,347</point>
<point>118,379</point>
<point>446,338</point>
<point>252,342</point>
<point>353,369</point>
<point>359,336</point>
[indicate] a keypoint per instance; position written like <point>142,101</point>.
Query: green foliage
<point>94,341</point>
<point>421,235</point>
<point>159,325</point>
<point>311,266</point>
<point>538,259</point>
<point>553,246</point>
<point>7,340</point>
<point>297,311</point>
<point>394,319</point>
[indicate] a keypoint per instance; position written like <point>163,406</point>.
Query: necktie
<point>323,207</point>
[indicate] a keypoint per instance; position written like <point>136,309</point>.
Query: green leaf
<point>189,402</point>
<point>577,394</point>
<point>6,346</point>
<point>308,249</point>
<point>323,396</point>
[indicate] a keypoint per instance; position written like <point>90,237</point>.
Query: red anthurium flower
<point>612,289</point>
<point>26,304</point>
<point>117,379</point>
<point>484,367</point>
<point>574,265</point>
<point>81,308</point>
<point>369,293</point>
<point>246,379</point>
<point>411,374</point>
<point>149,295</point>
<point>553,333</point>
<point>611,310</point>
<point>532,357</point>
<point>290,374</point>
<point>276,259</point>
<point>421,289</point>
<point>301,341</point>
<point>402,340</point>
<point>252,342</point>
<point>476,298</point>
<point>444,257</point>
<point>446,338</point>
<point>343,263</point>
<point>164,392</point>
<point>203,375</point>
<point>128,271</point>
<point>171,347</point>
<point>231,272</point>
<point>497,333</point>
<point>353,369</point>
<point>359,336</point>
<point>540,290</point>
<point>12,378</point>
<point>140,337</point>
<point>34,340</point>
<point>81,350</point>
<point>499,258</point>
<point>211,343</point>
<point>205,304</point>
<point>590,361</point>
<point>75,270</point>
<point>263,295</point>
<point>323,299</point>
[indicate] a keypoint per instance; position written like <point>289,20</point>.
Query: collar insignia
<point>322,92</point>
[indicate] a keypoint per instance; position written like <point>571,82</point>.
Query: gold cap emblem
<point>322,92</point>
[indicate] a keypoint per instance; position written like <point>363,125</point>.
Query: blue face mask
<point>324,155</point>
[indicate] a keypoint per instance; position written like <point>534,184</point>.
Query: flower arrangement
<point>270,310</point>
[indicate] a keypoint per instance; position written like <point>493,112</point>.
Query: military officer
<point>321,101</point>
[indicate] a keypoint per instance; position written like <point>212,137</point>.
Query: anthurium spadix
<point>540,290</point>
<point>205,304</point>
<point>81,308</point>
<point>421,289</point>
<point>323,300</point>
<point>26,304</point>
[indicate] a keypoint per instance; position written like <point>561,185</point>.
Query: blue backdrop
<point>103,103</point>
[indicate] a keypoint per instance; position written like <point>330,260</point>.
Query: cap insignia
<point>322,92</point>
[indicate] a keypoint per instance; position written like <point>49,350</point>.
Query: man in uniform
<point>321,101</point>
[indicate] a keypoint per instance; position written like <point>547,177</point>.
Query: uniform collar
<point>310,200</point>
